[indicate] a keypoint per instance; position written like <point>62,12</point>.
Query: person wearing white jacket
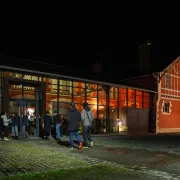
<point>6,125</point>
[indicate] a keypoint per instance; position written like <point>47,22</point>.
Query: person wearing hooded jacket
<point>47,121</point>
<point>87,117</point>
<point>74,118</point>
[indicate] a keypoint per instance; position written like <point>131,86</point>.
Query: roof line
<point>70,77</point>
<point>136,77</point>
<point>30,60</point>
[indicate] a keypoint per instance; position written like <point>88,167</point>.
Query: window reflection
<point>59,92</point>
<point>146,100</point>
<point>101,96</point>
<point>122,97</point>
<point>139,99</point>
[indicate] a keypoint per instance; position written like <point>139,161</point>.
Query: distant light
<point>120,123</point>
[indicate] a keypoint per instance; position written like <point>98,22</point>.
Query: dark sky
<point>81,41</point>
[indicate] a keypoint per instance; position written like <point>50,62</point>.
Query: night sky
<point>80,42</point>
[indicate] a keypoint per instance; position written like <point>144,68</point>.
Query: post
<point>106,89</point>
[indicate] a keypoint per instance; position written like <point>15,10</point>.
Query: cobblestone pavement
<point>39,156</point>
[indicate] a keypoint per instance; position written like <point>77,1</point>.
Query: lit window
<point>166,107</point>
<point>168,81</point>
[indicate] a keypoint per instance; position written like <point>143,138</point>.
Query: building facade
<point>168,102</point>
<point>165,110</point>
<point>24,90</point>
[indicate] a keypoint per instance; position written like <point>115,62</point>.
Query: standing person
<point>47,121</point>
<point>24,128</point>
<point>74,118</point>
<point>87,117</point>
<point>6,125</point>
<point>1,128</point>
<point>15,123</point>
<point>57,120</point>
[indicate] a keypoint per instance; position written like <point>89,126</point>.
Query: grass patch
<point>97,172</point>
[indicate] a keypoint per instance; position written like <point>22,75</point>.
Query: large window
<point>91,93</point>
<point>131,98</point>
<point>122,97</point>
<point>51,89</point>
<point>146,100</point>
<point>114,109</point>
<point>139,99</point>
<point>79,93</point>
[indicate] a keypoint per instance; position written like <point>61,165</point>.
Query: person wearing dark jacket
<point>24,128</point>
<point>15,123</point>
<point>47,121</point>
<point>74,118</point>
<point>57,120</point>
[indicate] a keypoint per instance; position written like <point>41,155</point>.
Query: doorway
<point>25,96</point>
<point>29,108</point>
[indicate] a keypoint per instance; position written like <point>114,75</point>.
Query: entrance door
<point>31,109</point>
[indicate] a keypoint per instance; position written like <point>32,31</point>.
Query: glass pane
<point>65,90</point>
<point>146,104</point>
<point>101,97</point>
<point>131,95</point>
<point>146,94</point>
<point>79,84</point>
<point>113,118</point>
<point>65,83</point>
<point>79,107</point>
<point>63,109</point>
<point>131,104</point>
<point>15,91</point>
<point>51,106</point>
<point>30,77</point>
<point>123,103</point>
<point>138,93</point>
<point>146,99</point>
<point>138,99</point>
<point>13,75</point>
<point>102,119</point>
<point>30,93</point>
<point>122,97</point>
<point>79,99</point>
<point>51,92</point>
<point>78,91</point>
<point>91,90</point>
<point>94,109</point>
<point>113,97</point>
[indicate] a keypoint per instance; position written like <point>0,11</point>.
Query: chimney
<point>97,67</point>
<point>145,57</point>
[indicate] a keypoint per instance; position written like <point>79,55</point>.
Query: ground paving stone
<point>35,156</point>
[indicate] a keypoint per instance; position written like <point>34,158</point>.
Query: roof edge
<point>75,78</point>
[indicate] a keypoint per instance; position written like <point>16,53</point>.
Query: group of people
<point>74,118</point>
<point>10,126</point>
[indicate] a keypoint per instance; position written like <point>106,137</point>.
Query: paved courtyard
<point>148,157</point>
